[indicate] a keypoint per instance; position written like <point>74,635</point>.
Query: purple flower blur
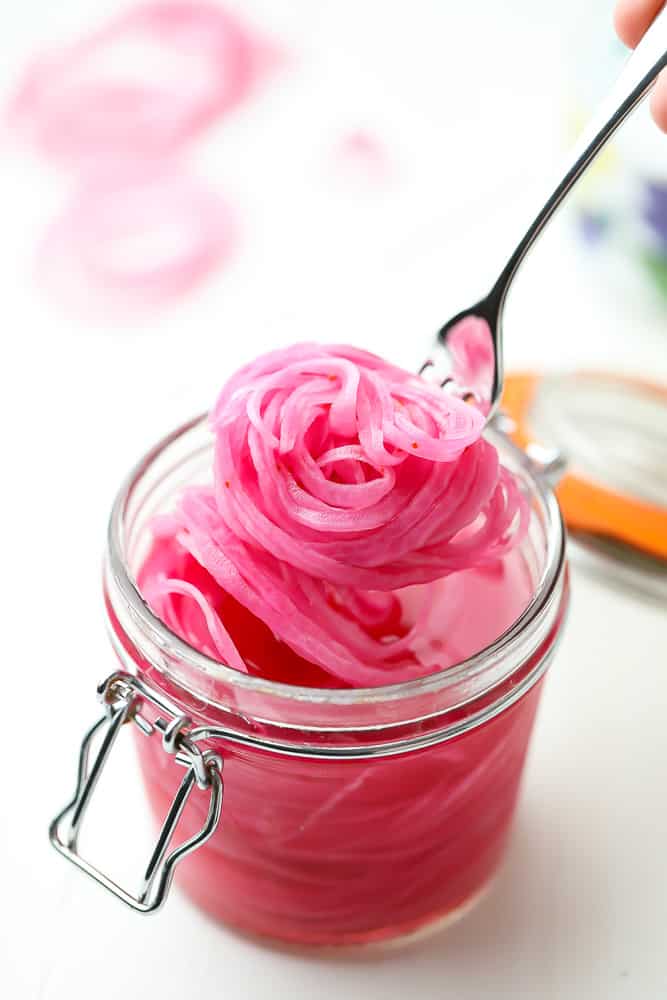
<point>655,211</point>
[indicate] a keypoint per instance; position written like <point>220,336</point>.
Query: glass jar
<point>350,816</point>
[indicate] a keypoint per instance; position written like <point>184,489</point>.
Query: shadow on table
<point>546,911</point>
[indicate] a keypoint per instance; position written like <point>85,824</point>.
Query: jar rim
<point>502,646</point>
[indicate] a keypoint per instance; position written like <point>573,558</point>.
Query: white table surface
<point>468,105</point>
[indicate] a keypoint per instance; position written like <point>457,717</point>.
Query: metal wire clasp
<point>123,696</point>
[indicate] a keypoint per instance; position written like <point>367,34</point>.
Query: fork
<point>634,82</point>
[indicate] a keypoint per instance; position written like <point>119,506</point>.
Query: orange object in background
<point>617,486</point>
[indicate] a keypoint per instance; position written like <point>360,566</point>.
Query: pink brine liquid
<point>353,851</point>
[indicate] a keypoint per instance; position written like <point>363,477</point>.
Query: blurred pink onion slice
<point>143,84</point>
<point>135,235</point>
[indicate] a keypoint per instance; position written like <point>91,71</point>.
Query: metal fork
<point>636,79</point>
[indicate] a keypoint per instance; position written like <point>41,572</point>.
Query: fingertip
<point>659,102</point>
<point>626,23</point>
<point>633,17</point>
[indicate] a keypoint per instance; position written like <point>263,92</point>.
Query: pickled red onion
<point>142,84</point>
<point>135,235</point>
<point>338,480</point>
<point>471,347</point>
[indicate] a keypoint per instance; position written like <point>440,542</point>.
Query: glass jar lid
<point>612,431</point>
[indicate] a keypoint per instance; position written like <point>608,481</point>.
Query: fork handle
<point>635,81</point>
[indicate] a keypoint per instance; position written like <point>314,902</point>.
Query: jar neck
<point>438,706</point>
<point>429,712</point>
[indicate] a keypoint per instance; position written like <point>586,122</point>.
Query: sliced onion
<point>140,85</point>
<point>136,235</point>
<point>338,480</point>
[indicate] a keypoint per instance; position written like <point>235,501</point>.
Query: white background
<point>468,100</point>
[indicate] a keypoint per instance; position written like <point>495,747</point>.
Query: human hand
<point>632,18</point>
